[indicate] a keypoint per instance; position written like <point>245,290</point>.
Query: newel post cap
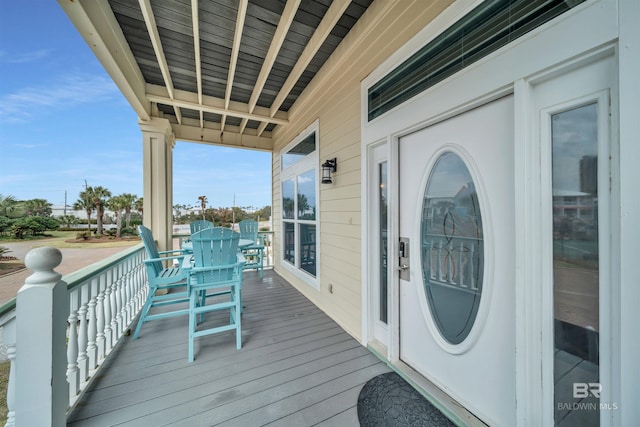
<point>42,261</point>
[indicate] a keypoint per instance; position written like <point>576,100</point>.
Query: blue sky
<point>63,121</point>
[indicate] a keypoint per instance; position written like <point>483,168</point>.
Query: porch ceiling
<point>221,71</point>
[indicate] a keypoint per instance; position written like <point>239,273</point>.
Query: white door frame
<point>533,261</point>
<point>378,335</point>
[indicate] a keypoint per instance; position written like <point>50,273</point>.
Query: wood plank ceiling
<point>231,66</point>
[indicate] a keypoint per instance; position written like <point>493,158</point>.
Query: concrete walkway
<point>73,259</point>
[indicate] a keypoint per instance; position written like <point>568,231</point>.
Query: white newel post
<point>42,307</point>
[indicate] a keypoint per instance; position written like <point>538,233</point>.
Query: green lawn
<point>59,239</point>
<point>4,381</point>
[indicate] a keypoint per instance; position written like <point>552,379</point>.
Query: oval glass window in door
<point>452,248</point>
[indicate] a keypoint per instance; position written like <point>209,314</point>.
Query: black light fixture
<point>329,166</point>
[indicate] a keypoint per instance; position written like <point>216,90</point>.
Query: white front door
<point>457,277</point>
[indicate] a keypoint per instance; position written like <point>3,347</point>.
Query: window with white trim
<point>299,180</point>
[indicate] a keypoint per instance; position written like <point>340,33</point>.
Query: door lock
<point>404,264</point>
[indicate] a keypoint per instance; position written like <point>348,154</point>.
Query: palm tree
<point>68,220</point>
<point>85,202</point>
<point>203,204</point>
<point>7,205</point>
<point>139,205</point>
<point>37,207</point>
<point>117,204</point>
<point>99,196</point>
<point>129,201</point>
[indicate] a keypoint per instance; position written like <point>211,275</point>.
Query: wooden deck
<point>297,367</point>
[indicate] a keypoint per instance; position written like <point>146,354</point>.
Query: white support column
<point>158,142</point>
<point>42,306</point>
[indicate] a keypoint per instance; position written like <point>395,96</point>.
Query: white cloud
<point>29,146</point>
<point>26,56</point>
<point>66,91</point>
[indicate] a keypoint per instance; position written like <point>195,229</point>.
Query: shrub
<point>83,235</point>
<point>128,232</point>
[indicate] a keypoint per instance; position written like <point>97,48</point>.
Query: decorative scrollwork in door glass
<point>452,249</point>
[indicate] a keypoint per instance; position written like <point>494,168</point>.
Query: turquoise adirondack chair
<point>172,279</point>
<point>254,254</point>
<point>215,283</point>
<point>194,227</point>
<point>200,225</point>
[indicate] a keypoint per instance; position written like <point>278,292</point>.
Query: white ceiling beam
<point>261,127</point>
<point>152,28</point>
<point>242,13</point>
<point>329,21</point>
<point>235,49</point>
<point>195,17</point>
<point>286,19</point>
<point>230,138</point>
<point>284,24</point>
<point>213,105</point>
<point>97,24</point>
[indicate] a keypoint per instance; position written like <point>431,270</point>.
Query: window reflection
<point>308,248</point>
<point>289,243</point>
<point>452,248</point>
<point>575,261</point>
<point>307,195</point>
<point>288,203</point>
<point>382,206</point>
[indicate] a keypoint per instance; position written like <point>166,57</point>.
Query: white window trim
<point>309,162</point>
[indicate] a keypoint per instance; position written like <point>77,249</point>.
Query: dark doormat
<point>388,400</point>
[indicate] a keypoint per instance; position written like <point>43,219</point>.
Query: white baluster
<point>11,386</point>
<point>73,376</point>
<point>100,318</point>
<point>440,275</point>
<point>113,298</point>
<point>143,288</point>
<point>472,277</point>
<point>107,313</point>
<point>122,302</point>
<point>92,348</point>
<point>117,286</point>
<point>459,270</point>
<point>126,292</point>
<point>449,261</point>
<point>133,290</point>
<point>429,265</point>
<point>83,358</point>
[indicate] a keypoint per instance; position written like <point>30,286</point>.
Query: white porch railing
<point>59,332</point>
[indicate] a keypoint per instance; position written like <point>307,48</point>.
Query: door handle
<point>404,261</point>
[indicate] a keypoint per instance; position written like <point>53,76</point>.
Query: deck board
<point>296,367</point>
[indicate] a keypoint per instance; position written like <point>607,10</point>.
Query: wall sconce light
<point>329,166</point>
